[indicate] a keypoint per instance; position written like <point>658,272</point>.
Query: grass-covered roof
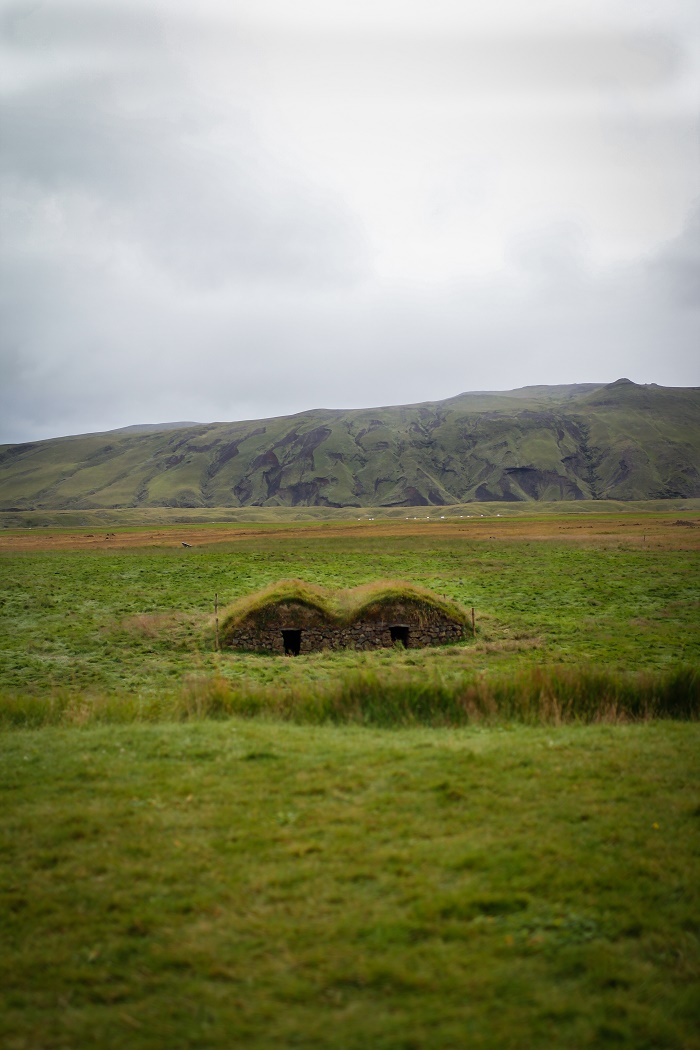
<point>361,600</point>
<point>250,606</point>
<point>339,607</point>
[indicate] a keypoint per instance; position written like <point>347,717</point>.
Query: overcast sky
<point>231,209</point>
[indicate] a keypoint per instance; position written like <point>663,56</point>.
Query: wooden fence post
<point>216,616</point>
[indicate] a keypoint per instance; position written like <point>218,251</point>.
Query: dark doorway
<point>399,633</point>
<point>292,642</point>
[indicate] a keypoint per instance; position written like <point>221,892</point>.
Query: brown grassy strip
<point>658,530</point>
<point>534,696</point>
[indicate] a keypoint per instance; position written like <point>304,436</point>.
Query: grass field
<point>130,615</point>
<point>174,874</point>
<point>248,885</point>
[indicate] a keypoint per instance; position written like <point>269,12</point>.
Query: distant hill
<point>153,428</point>
<point>586,441</point>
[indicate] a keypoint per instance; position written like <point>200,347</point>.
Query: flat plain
<point>169,877</point>
<point>130,610</point>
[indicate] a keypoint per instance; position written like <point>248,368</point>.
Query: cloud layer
<point>223,211</point>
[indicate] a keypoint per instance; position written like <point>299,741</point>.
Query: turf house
<point>292,618</point>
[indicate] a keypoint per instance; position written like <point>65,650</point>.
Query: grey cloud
<point>179,178</point>
<point>554,253</point>
<point>676,267</point>
<point>267,355</point>
<point>161,262</point>
<point>34,25</point>
<point>542,63</point>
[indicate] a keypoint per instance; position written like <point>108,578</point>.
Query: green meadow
<point>138,621</point>
<point>494,844</point>
<point>238,884</point>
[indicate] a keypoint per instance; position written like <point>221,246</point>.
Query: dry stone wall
<point>369,634</point>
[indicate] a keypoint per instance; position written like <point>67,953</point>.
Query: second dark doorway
<point>292,642</point>
<point>399,633</point>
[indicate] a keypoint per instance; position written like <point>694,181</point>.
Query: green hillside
<point>585,441</point>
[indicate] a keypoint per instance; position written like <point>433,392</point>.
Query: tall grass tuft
<point>565,694</point>
<point>66,708</point>
<point>537,696</point>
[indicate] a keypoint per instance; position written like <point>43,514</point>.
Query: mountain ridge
<point>572,441</point>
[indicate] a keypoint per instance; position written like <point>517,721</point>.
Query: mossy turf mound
<point>371,601</point>
<point>337,608</point>
<point>263,607</point>
<point>365,617</point>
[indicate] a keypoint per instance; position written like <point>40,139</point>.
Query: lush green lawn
<point>240,884</point>
<point>134,620</point>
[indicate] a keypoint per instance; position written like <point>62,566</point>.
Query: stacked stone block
<point>361,635</point>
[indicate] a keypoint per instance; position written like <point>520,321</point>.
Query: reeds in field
<point>64,707</point>
<point>537,696</point>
